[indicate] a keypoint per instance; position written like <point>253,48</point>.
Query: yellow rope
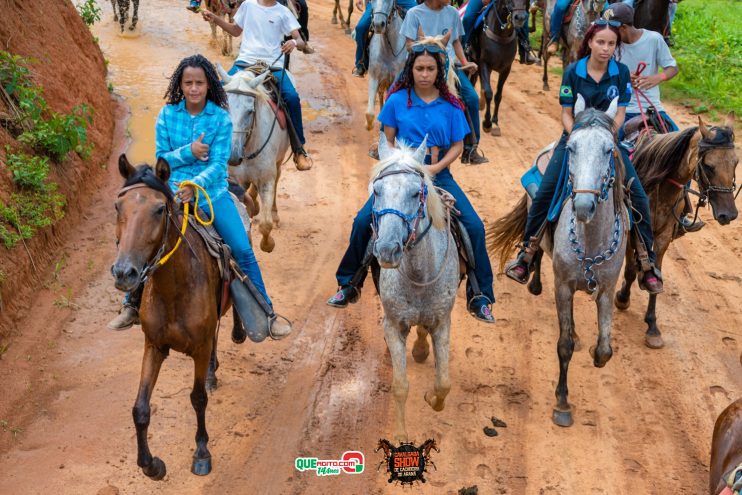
<point>186,207</point>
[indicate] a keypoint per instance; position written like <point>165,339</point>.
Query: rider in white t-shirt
<point>263,25</point>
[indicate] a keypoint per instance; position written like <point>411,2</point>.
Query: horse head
<point>594,9</point>
<point>403,199</point>
<point>385,446</point>
<point>591,147</point>
<point>518,12</point>
<point>243,89</point>
<point>142,209</point>
<point>716,170</point>
<point>382,14</point>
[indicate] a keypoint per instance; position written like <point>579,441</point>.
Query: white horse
<point>386,54</point>
<point>259,145</point>
<point>419,269</point>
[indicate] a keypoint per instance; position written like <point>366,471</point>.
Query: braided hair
<point>406,79</point>
<point>215,93</point>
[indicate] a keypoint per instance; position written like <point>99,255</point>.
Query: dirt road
<point>642,424</point>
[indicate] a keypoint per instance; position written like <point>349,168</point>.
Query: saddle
<point>634,127</point>
<point>271,87</point>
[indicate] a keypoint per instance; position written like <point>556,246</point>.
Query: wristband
<point>663,76</point>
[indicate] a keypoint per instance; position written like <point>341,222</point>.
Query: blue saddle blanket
<point>483,14</point>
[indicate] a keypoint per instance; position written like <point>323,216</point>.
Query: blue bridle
<point>412,220</point>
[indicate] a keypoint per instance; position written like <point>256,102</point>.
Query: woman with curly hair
<point>194,135</point>
<point>420,105</point>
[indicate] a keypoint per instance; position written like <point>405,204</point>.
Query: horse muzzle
<point>519,19</point>
<point>379,26</point>
<point>585,205</point>
<point>126,277</point>
<point>389,254</point>
<point>725,211</point>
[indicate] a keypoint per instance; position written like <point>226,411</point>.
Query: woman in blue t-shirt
<point>419,105</point>
<point>599,79</point>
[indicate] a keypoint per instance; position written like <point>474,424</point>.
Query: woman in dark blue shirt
<point>599,79</point>
<point>419,105</point>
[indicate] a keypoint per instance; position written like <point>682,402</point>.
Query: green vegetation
<point>708,48</point>
<point>89,11</point>
<point>35,203</point>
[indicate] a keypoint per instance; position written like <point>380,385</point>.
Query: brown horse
<point>665,164</point>
<point>725,470</point>
<point>652,15</point>
<point>337,12</point>
<point>224,9</point>
<point>181,300</point>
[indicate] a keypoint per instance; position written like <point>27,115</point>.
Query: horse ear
<point>421,151</point>
<point>420,33</point>
<point>384,150</point>
<point>612,108</point>
<point>579,105</point>
<point>257,81</point>
<point>704,130</point>
<point>446,38</point>
<point>223,74</point>
<point>126,169</point>
<point>731,117</point>
<point>162,170</point>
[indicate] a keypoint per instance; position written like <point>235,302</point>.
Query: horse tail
<point>507,231</point>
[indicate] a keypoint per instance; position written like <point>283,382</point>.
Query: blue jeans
<point>539,210</point>
<point>473,8</point>
<point>364,25</point>
<point>672,127</point>
<point>471,100</point>
<point>360,236</point>
<point>228,224</point>
<point>557,19</point>
<point>289,96</point>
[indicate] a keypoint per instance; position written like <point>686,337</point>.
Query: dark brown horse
<point>180,303</point>
<point>725,469</point>
<point>652,15</point>
<point>665,164</point>
<point>123,13</point>
<point>337,12</point>
<point>495,49</point>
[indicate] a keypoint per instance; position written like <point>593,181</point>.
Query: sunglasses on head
<point>427,48</point>
<point>605,22</point>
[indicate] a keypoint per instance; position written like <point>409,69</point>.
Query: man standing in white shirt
<point>263,25</point>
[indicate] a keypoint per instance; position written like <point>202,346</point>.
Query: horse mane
<point>146,175</point>
<point>240,83</point>
<point>592,117</point>
<point>452,80</point>
<point>403,157</point>
<point>662,156</point>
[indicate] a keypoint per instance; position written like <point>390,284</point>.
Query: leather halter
<point>606,181</point>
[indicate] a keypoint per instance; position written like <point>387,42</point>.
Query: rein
<point>504,26</point>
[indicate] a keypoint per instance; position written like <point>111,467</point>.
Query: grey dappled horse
<point>589,240</point>
<point>259,145</point>
<point>572,34</point>
<point>123,13</point>
<point>419,269</point>
<point>386,54</point>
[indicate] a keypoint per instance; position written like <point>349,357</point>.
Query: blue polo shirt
<point>616,81</point>
<point>440,120</point>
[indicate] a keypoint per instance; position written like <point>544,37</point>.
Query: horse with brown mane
<point>182,302</point>
<point>665,164</point>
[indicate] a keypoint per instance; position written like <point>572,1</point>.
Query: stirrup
<point>515,264</point>
<point>658,275</point>
<point>278,336</point>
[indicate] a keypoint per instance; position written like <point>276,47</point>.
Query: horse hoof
<point>620,302</point>
<point>601,360</point>
<point>201,467</point>
<point>420,355</point>
<point>211,383</point>
<point>348,31</point>
<point>334,21</point>
<point>433,401</point>
<point>267,244</point>
<point>156,470</point>
<point>535,289</point>
<point>562,418</point>
<point>496,131</point>
<point>546,87</point>
<point>654,341</point>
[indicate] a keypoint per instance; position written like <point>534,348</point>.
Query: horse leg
<point>653,336</point>
<point>498,98</point>
<point>350,11</point>
<point>534,286</point>
<point>562,415</point>
<point>335,12</point>
<point>123,13</point>
<point>274,209</point>
<point>135,17</point>
<point>623,296</point>
<point>602,352</point>
<point>421,349</point>
<point>546,56</point>
<point>265,224</point>
<point>373,88</point>
<point>253,192</point>
<point>211,381</point>
<point>115,14</point>
<point>395,342</point>
<point>201,465</point>
<point>151,363</point>
<point>441,343</point>
<point>484,82</point>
